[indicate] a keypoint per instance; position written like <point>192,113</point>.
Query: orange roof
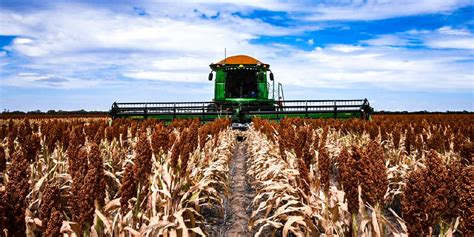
<point>240,59</point>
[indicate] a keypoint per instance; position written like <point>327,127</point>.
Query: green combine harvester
<point>244,88</point>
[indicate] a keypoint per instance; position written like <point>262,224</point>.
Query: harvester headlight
<point>241,66</point>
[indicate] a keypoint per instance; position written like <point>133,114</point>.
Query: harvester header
<point>244,87</point>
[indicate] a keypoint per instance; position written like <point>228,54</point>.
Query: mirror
<point>271,76</point>
<point>210,76</point>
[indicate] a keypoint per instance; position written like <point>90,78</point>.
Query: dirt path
<point>240,197</point>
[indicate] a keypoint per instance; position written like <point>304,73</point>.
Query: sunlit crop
<point>405,175</point>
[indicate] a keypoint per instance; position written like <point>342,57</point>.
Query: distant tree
<point>34,112</point>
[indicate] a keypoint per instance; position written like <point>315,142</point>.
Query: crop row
<point>414,171</point>
<point>87,177</point>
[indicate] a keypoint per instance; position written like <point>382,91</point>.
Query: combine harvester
<point>241,92</point>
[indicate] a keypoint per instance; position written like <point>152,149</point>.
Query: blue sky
<point>401,55</point>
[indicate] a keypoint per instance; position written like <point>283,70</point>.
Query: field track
<point>239,196</point>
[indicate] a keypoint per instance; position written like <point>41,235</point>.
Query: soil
<point>235,219</point>
<point>240,197</point>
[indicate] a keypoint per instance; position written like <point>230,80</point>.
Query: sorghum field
<point>397,175</point>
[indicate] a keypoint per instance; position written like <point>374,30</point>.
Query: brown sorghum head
<point>128,189</point>
<point>159,139</point>
<point>424,198</point>
<point>3,160</point>
<point>85,200</point>
<point>467,153</point>
<point>466,199</point>
<point>17,189</point>
<point>143,162</point>
<point>50,199</point>
<point>96,165</point>
<point>53,227</point>
<point>324,166</point>
<point>364,167</point>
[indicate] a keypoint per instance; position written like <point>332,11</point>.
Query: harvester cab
<point>242,86</point>
<point>242,90</point>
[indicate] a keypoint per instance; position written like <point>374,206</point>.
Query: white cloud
<point>376,10</point>
<point>464,43</point>
<point>27,74</point>
<point>448,30</point>
<point>445,37</point>
<point>450,38</point>
<point>31,80</point>
<point>345,48</point>
<point>22,41</point>
<point>166,76</point>
<point>61,30</point>
<point>311,41</point>
<point>397,69</point>
<point>387,40</point>
<point>350,10</point>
